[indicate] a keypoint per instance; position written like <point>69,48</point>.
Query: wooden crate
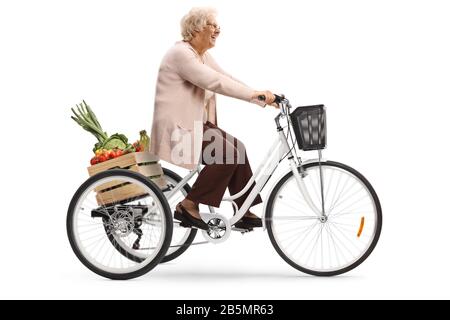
<point>142,162</point>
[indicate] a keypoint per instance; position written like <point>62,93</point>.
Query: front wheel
<point>335,242</point>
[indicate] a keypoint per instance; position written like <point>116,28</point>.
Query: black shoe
<point>248,223</point>
<point>242,225</point>
<point>252,222</point>
<point>187,220</point>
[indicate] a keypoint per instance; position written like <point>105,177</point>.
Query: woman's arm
<point>191,69</point>
<point>255,99</point>
<point>218,68</point>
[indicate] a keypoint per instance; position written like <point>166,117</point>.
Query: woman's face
<point>209,33</point>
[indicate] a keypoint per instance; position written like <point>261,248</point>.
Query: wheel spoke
<point>308,243</point>
<point>293,218</point>
<point>335,244</point>
<point>306,233</point>
<point>347,198</point>
<point>291,206</point>
<point>340,194</point>
<point>346,238</point>
<point>350,206</point>
<point>319,232</point>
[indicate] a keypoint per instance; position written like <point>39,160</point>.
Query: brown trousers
<point>229,168</point>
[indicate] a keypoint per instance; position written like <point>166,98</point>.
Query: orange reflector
<point>361,226</point>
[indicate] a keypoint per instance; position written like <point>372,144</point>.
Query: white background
<point>382,68</point>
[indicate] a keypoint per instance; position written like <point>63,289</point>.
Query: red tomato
<point>111,154</point>
<point>102,158</point>
<point>94,160</point>
<point>119,152</point>
<point>137,146</point>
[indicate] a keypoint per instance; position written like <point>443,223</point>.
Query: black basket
<point>310,127</point>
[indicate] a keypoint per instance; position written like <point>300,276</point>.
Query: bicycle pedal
<point>242,230</point>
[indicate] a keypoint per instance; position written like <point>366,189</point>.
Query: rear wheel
<point>135,216</point>
<point>336,242</point>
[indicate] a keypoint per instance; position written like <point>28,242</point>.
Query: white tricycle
<point>323,217</point>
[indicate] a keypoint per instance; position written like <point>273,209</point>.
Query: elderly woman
<point>185,120</point>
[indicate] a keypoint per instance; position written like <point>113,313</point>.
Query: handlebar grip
<point>278,98</point>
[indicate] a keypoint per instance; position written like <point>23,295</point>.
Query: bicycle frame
<point>270,163</point>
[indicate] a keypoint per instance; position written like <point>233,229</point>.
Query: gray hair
<point>195,20</point>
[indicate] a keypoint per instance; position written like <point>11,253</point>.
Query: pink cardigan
<point>180,102</point>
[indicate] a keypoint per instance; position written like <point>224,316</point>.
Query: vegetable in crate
<point>137,146</point>
<point>94,160</point>
<point>144,141</point>
<point>104,155</point>
<point>143,144</point>
<point>86,118</point>
<point>88,121</point>
<point>115,141</point>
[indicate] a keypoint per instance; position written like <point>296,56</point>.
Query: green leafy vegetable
<point>86,118</point>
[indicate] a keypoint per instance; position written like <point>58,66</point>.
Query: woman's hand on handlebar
<point>266,96</point>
